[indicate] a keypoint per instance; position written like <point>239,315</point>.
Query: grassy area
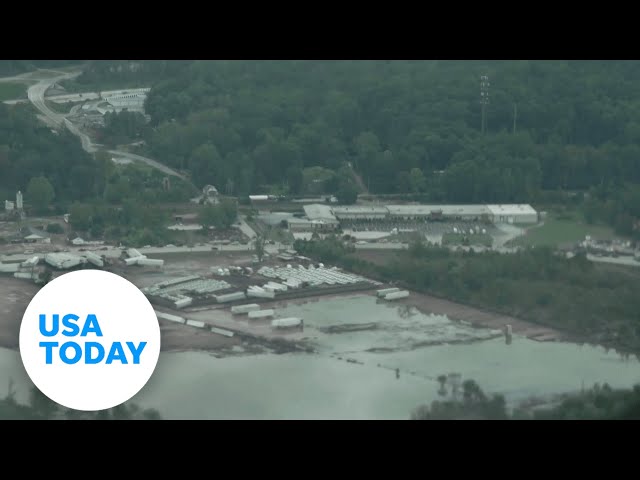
<point>561,229</point>
<point>459,239</point>
<point>11,91</point>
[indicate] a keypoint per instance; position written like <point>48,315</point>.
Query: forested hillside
<point>29,149</point>
<point>16,67</point>
<point>577,124</point>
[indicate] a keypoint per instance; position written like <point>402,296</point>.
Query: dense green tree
<point>40,194</point>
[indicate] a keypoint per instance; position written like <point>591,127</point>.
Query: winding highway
<point>36,95</point>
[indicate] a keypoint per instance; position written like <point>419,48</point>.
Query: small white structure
<point>19,204</point>
<point>8,205</point>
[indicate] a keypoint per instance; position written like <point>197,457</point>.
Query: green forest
<point>552,127</point>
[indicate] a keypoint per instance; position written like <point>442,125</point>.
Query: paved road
<point>36,96</point>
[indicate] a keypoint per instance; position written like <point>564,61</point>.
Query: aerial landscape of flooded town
<point>328,294</point>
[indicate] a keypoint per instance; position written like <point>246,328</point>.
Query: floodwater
<point>346,380</point>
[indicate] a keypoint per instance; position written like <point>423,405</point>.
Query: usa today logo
<point>89,340</point>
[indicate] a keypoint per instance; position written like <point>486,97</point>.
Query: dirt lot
<point>15,295</point>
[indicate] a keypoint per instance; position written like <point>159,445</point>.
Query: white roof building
<point>463,211</point>
<point>361,212</point>
<point>520,213</point>
<point>316,212</point>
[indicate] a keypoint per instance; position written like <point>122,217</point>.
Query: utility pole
<point>515,116</point>
<point>484,100</point>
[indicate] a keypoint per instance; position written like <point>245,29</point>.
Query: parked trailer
<point>151,262</point>
<point>221,331</point>
<point>260,293</point>
<point>169,317</point>
<point>134,260</point>
<point>261,313</point>
<point>230,297</point>
<point>95,259</point>
<point>240,309</point>
<point>183,302</point>
<point>397,295</point>
<point>386,291</point>
<point>133,253</point>
<point>286,322</point>
<point>195,323</point>
<point>9,267</point>
<point>23,275</point>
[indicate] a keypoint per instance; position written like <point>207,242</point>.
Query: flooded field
<point>353,374</point>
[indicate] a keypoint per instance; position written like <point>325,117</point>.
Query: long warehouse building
<point>325,217</point>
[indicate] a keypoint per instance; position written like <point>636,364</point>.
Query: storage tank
<point>286,322</point>
<point>397,295</point>
<point>240,309</point>
<point>261,313</point>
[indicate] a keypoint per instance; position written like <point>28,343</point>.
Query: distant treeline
<point>471,403</point>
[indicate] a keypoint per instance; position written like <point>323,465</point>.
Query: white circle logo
<point>89,340</point>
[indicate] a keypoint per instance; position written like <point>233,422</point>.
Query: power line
<point>484,100</point>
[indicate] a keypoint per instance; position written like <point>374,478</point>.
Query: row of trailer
<point>253,312</point>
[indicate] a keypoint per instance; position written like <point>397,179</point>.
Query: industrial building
<point>514,214</point>
<point>321,217</point>
<point>357,212</point>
